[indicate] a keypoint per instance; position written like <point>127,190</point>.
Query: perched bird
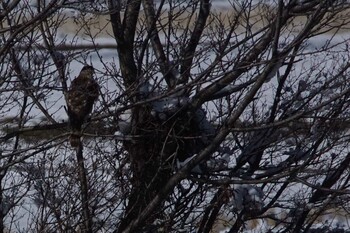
<point>81,97</point>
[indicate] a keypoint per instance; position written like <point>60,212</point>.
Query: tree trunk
<point>153,152</point>
<point>148,163</point>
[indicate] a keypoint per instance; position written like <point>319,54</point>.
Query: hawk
<point>81,97</point>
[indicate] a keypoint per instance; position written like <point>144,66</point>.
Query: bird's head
<point>87,70</point>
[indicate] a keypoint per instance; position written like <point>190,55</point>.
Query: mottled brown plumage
<point>81,96</point>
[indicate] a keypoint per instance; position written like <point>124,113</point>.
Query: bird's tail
<point>75,139</point>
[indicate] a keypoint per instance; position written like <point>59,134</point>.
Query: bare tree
<point>212,116</point>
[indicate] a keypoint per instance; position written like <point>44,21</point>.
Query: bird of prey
<point>81,97</point>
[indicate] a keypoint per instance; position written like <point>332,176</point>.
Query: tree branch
<point>151,20</point>
<point>124,34</point>
<point>84,190</point>
<point>188,52</point>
